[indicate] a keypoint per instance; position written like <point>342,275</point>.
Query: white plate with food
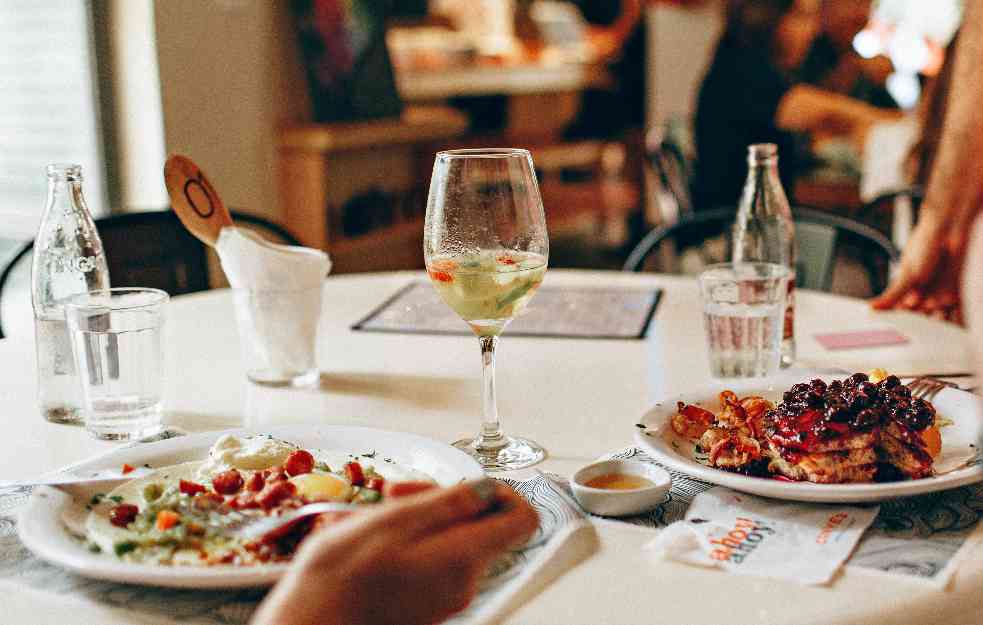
<point>842,439</point>
<point>173,527</point>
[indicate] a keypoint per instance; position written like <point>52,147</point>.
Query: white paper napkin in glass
<point>278,297</point>
<point>252,262</point>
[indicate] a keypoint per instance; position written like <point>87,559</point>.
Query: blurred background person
<point>833,64</point>
<point>751,94</point>
<point>617,38</point>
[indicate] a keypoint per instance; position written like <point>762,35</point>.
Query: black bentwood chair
<point>151,249</point>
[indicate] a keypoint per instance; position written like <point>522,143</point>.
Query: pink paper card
<point>861,338</point>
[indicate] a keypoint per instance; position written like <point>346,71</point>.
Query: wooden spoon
<point>194,199</point>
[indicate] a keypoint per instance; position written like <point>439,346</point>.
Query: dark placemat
<point>561,312</point>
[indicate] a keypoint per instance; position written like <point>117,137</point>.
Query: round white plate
<point>42,530</point>
<point>959,463</point>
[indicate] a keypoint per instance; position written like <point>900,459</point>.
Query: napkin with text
<point>923,538</point>
<point>745,534</point>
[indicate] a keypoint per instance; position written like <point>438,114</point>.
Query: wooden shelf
<point>399,246</point>
<point>323,166</point>
<point>418,124</point>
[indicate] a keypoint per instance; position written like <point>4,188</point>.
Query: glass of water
<point>116,340</point>
<point>743,311</point>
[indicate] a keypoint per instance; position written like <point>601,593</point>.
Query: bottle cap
<point>64,171</point>
<point>762,153</point>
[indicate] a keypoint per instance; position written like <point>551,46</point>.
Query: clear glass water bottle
<point>68,259</point>
<point>765,232</point>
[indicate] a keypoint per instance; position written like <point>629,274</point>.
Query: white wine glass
<point>486,250</point>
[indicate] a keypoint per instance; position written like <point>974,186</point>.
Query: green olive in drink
<point>489,288</point>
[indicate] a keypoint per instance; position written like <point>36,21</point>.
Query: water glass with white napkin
<point>278,305</point>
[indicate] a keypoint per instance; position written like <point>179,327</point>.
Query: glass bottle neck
<point>64,194</point>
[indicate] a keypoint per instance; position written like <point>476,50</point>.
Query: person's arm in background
<point>805,108</point>
<point>931,265</point>
<point>607,42</point>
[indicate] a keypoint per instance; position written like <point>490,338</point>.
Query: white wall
<point>230,74</point>
<point>681,45</point>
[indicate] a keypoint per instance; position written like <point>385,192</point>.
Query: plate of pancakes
<point>819,438</point>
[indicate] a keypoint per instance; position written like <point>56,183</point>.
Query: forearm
<point>805,108</point>
<point>955,188</point>
<point>631,13</point>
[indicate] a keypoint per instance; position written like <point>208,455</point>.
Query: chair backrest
<point>821,237</point>
<point>667,178</point>
<point>151,249</point>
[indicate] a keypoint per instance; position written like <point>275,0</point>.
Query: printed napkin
<point>922,538</point>
<point>744,534</point>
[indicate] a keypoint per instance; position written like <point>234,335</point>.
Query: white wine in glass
<point>486,250</point>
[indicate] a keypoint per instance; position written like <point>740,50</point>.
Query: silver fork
<point>250,527</point>
<point>928,388</point>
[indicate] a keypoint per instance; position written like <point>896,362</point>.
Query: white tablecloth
<point>580,398</point>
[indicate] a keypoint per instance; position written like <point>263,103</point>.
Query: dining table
<point>580,398</point>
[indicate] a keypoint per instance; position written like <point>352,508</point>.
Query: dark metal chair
<point>151,249</point>
<point>821,236</point>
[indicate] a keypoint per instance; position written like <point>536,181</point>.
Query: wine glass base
<point>516,453</point>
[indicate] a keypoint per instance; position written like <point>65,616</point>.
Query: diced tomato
<point>245,501</point>
<point>128,469</point>
<point>274,494</point>
<point>275,475</point>
<point>123,514</point>
<point>255,483</point>
<point>166,519</point>
<point>227,482</point>
<point>354,473</point>
<point>299,462</point>
<point>190,488</point>
<point>375,483</point>
<point>441,276</point>
<point>207,501</point>
<point>404,489</point>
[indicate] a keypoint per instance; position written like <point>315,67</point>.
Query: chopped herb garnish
<point>96,499</point>
<point>513,295</point>
<point>370,454</point>
<point>124,547</point>
<point>116,499</point>
<point>640,425</point>
<point>94,548</point>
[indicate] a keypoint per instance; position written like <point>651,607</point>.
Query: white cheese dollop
<point>251,453</point>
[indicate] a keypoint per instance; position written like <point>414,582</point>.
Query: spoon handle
<point>194,199</point>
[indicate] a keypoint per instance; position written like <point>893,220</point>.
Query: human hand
<point>414,561</point>
<point>927,279</point>
<point>604,44</point>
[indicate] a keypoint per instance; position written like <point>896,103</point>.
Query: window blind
<point>48,106</point>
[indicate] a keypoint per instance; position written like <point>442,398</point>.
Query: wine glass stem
<point>491,429</point>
